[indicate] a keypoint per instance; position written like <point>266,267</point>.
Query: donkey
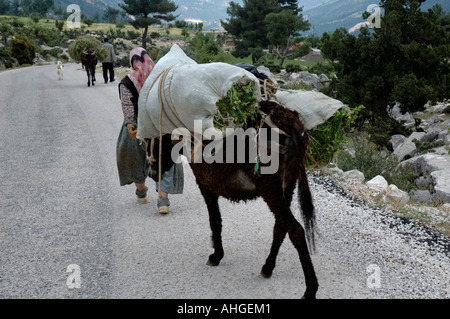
<point>89,61</point>
<point>239,182</point>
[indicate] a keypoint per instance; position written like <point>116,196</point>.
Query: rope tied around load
<point>268,90</point>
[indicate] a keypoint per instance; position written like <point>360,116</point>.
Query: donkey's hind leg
<point>279,233</point>
<point>215,222</point>
<point>93,76</point>
<point>298,238</point>
<point>285,220</point>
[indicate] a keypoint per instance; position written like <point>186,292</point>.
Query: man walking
<point>108,63</point>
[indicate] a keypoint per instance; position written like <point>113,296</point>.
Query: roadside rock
<point>396,195</point>
<point>441,180</point>
<point>434,171</point>
<point>421,195</point>
<point>391,193</point>
<point>434,162</point>
<point>307,78</point>
<point>431,134</point>
<point>397,140</point>
<point>420,136</point>
<point>447,108</point>
<point>425,164</point>
<point>353,174</point>
<point>332,168</point>
<point>439,107</point>
<point>325,80</point>
<point>378,185</point>
<point>407,119</point>
<point>408,148</point>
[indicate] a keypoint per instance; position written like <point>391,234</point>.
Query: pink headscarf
<point>142,66</point>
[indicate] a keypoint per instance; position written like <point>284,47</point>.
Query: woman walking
<point>131,157</point>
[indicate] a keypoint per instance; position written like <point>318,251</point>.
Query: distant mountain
<point>210,12</point>
<point>89,7</point>
<point>324,15</point>
<point>334,14</point>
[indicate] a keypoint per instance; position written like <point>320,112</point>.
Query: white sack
<point>190,92</point>
<point>314,108</point>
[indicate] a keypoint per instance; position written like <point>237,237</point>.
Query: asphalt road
<point>61,206</point>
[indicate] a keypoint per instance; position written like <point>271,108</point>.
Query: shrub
<point>121,24</point>
<point>55,52</point>
<point>17,23</point>
<point>320,67</point>
<point>329,137</point>
<point>205,49</point>
<point>380,130</point>
<point>45,35</point>
<point>59,25</point>
<point>426,147</point>
<point>155,35</point>
<point>122,61</point>
<point>22,49</point>
<point>293,68</point>
<point>274,68</point>
<point>5,58</point>
<point>133,35</point>
<point>365,156</point>
<point>36,17</point>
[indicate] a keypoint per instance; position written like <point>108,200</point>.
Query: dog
<point>60,70</point>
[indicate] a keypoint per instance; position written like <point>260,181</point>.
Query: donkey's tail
<point>307,206</point>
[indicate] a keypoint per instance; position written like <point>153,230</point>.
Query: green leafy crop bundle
<point>82,43</point>
<point>239,106</point>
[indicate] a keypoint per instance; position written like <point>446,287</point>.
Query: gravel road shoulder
<point>412,261</point>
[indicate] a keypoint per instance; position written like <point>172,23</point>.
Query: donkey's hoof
<point>266,273</point>
<point>309,295</point>
<point>212,262</point>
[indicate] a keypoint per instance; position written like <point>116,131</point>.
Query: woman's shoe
<point>163,205</point>
<point>142,196</point>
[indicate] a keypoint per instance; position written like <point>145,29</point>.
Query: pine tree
<point>282,28</point>
<point>405,60</point>
<point>148,12</point>
<point>4,6</point>
<point>110,15</point>
<point>247,25</point>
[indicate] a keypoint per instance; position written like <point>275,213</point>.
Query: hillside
<point>334,14</point>
<point>325,16</point>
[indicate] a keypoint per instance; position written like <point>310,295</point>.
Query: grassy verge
<point>95,27</point>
